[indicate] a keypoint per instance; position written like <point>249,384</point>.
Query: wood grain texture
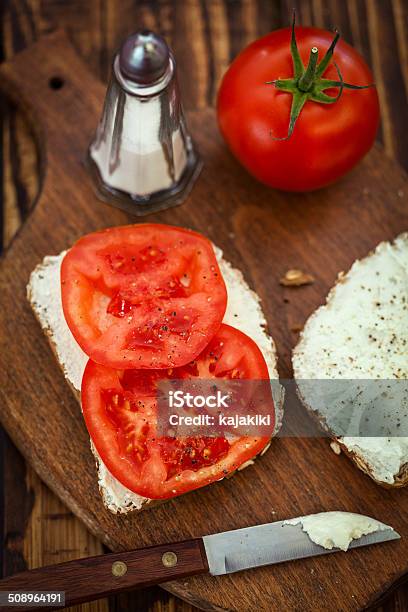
<point>94,577</point>
<point>54,534</point>
<point>96,28</point>
<point>262,232</point>
<point>37,528</point>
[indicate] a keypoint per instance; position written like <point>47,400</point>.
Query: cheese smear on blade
<point>337,529</point>
<point>243,312</point>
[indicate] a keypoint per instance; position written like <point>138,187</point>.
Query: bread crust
<point>400,479</point>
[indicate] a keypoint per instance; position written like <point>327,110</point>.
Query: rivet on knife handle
<point>169,559</point>
<point>119,568</point>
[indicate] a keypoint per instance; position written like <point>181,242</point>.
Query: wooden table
<point>36,529</point>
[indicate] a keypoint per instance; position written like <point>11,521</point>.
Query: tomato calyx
<point>308,83</point>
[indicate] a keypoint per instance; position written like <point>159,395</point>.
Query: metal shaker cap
<point>144,57</point>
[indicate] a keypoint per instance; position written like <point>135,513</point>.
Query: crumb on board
<point>245,465</point>
<point>296,278</point>
<point>335,446</point>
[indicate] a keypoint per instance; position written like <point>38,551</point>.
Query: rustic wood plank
<point>54,535</point>
<point>17,502</point>
<point>392,74</point>
<point>400,9</point>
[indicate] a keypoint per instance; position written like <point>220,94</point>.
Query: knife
<point>221,553</point>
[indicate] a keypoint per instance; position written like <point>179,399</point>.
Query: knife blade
<point>240,549</point>
<point>221,553</point>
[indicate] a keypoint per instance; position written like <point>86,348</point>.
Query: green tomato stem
<point>308,84</point>
<point>307,79</point>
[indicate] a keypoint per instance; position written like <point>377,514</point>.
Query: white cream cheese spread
<point>337,529</point>
<point>361,334</point>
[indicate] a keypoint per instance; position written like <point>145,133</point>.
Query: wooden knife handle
<point>94,577</point>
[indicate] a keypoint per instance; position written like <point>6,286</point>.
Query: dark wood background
<point>36,529</point>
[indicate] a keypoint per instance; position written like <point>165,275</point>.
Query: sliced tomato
<point>120,410</point>
<point>142,296</point>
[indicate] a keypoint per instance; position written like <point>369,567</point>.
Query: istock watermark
<point>345,407</point>
<point>180,399</point>
<point>215,408</point>
<point>236,421</point>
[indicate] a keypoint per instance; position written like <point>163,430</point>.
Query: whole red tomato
<point>330,135</point>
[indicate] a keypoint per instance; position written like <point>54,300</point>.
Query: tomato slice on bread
<point>120,411</point>
<point>142,296</point>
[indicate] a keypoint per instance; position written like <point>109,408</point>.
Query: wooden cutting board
<point>262,232</point>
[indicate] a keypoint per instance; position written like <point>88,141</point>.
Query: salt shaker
<point>142,158</point>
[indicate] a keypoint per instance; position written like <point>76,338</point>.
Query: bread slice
<point>243,312</point>
<point>359,335</point>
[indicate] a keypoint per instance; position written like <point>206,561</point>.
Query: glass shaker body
<point>142,158</point>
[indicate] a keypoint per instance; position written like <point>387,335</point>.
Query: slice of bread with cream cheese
<point>360,336</point>
<point>243,312</point>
